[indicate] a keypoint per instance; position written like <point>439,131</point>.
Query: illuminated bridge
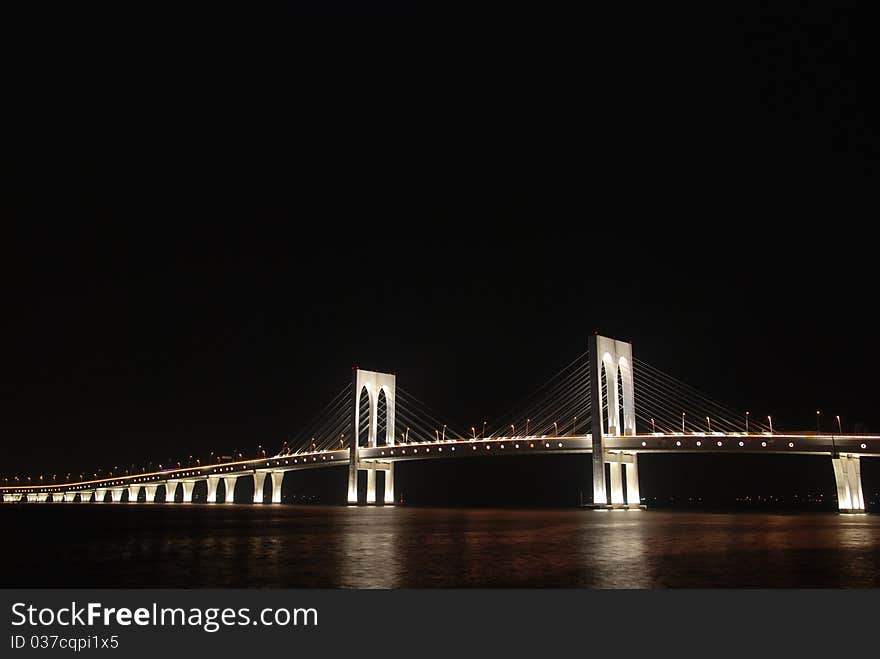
<point>372,424</point>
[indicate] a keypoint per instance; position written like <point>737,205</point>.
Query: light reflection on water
<point>401,547</point>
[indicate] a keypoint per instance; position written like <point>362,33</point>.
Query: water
<point>195,545</point>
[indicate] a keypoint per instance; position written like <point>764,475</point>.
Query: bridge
<point>598,389</point>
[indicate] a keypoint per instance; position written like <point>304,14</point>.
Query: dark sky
<point>215,216</point>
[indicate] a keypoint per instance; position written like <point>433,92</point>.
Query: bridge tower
<point>613,357</point>
<point>373,383</point>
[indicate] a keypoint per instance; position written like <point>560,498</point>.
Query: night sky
<point>208,231</point>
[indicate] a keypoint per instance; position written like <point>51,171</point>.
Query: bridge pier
<point>259,479</point>
<point>213,482</point>
<point>31,498</point>
<point>353,476</point>
<point>100,493</point>
<point>85,496</point>
<point>229,482</point>
<point>170,491</point>
<point>848,476</point>
<point>116,494</point>
<point>617,497</point>
<point>133,492</point>
<point>150,493</point>
<point>371,468</point>
<point>371,485</point>
<point>188,487</point>
<point>389,483</point>
<point>69,496</point>
<point>623,495</point>
<point>277,480</point>
<point>633,494</point>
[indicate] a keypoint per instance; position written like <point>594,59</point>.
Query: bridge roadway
<point>383,457</point>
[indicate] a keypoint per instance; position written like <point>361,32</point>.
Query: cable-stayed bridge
<point>604,403</point>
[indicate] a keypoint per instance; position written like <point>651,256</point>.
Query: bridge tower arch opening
<point>382,418</point>
<point>612,399</point>
<point>371,388</point>
<point>364,415</point>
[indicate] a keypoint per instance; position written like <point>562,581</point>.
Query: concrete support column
<point>277,480</point>
<point>32,498</point>
<point>85,496</point>
<point>842,482</point>
<point>353,474</point>
<point>389,484</point>
<point>616,484</point>
<point>229,482</point>
<point>150,493</point>
<point>259,478</point>
<point>854,474</point>
<point>116,494</point>
<point>69,496</point>
<point>213,482</point>
<point>133,492</point>
<point>633,496</point>
<point>100,493</point>
<point>170,491</point>
<point>371,486</point>
<point>43,497</point>
<point>188,487</point>
<point>848,476</point>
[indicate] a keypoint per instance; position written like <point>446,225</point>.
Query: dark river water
<point>290,546</point>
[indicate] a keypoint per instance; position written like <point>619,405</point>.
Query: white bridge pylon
<point>372,383</point>
<point>614,359</point>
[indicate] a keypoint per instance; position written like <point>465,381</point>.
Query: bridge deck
<point>788,444</point>
<point>776,443</point>
<point>278,463</point>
